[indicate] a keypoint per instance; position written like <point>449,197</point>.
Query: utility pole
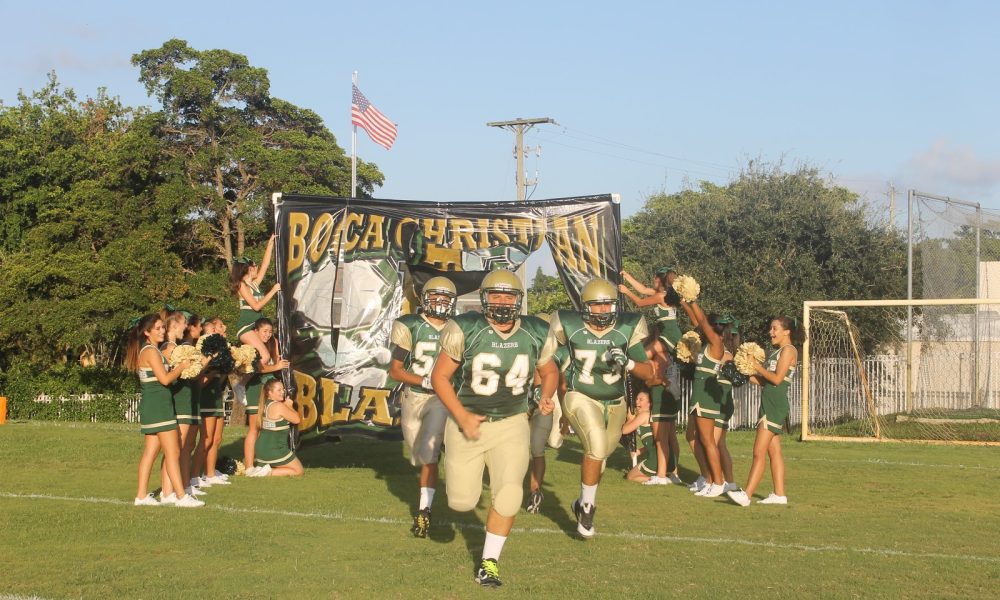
<point>892,205</point>
<point>519,126</point>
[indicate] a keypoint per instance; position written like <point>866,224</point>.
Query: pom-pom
<point>688,347</point>
<point>746,355</point>
<point>730,373</point>
<point>244,356</point>
<point>687,288</point>
<point>187,353</point>
<point>240,468</point>
<point>217,345</point>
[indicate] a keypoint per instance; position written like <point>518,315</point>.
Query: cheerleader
<point>183,397</point>
<point>774,377</point>
<point>156,413</point>
<point>272,452</point>
<point>213,414</point>
<point>254,389</point>
<point>244,281</point>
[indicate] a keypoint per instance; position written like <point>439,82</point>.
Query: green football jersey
<point>590,371</point>
<point>495,369</point>
<point>419,337</point>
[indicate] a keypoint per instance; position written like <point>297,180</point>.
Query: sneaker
<point>655,480</point>
<point>421,523</point>
<point>713,491</point>
<point>249,472</point>
<point>774,499</point>
<point>171,499</point>
<point>261,471</point>
<point>739,497</point>
<point>217,481</point>
<point>195,482</point>
<point>698,484</point>
<point>149,500</point>
<point>729,487</point>
<point>193,491</point>
<point>674,479</point>
<point>203,482</point>
<point>189,502</point>
<point>584,518</point>
<point>488,574</point>
<point>221,475</point>
<point>534,501</point>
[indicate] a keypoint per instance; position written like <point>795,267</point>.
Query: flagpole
<point>354,148</point>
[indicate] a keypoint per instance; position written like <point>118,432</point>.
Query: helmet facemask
<point>501,313</point>
<point>600,320</point>
<point>439,304</point>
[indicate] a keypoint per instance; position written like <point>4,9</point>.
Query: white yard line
<point>885,552</point>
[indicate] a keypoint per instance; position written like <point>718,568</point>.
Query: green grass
<point>949,425</point>
<point>882,521</point>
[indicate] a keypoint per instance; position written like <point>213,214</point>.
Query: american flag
<point>381,130</point>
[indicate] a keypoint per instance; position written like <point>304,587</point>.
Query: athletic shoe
<point>698,484</point>
<point>488,574</point>
<point>171,499</point>
<point>584,518</point>
<point>261,471</point>
<point>739,497</point>
<point>203,482</point>
<point>655,480</point>
<point>730,487</point>
<point>714,491</point>
<point>148,500</point>
<point>421,523</point>
<point>222,475</point>
<point>193,491</point>
<point>673,478</point>
<point>218,481</point>
<point>195,481</point>
<point>189,502</point>
<point>534,501</point>
<point>774,499</point>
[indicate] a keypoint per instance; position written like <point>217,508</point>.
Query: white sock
<point>426,497</point>
<point>493,546</point>
<point>588,493</point>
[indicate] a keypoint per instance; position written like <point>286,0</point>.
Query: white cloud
<point>951,165</point>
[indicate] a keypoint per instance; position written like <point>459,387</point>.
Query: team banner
<point>349,267</point>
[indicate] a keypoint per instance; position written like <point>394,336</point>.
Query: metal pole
<point>354,148</point>
<point>909,296</point>
<point>975,320</point>
<point>806,381</point>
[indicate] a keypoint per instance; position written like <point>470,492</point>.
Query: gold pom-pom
<point>244,355</point>
<point>240,468</point>
<point>189,353</point>
<point>689,347</point>
<point>746,355</point>
<point>687,288</point>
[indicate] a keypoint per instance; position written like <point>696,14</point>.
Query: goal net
<point>922,370</point>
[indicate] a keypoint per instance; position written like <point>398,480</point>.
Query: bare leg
<point>777,465</point>
<point>292,469</point>
<point>706,435</point>
<point>251,440</point>
<point>151,447</point>
<point>675,448</point>
<point>760,445</point>
<point>699,453</point>
<point>498,524</point>
<point>662,449</point>
<point>186,433</point>
<point>537,473</point>
<point>211,449</point>
<point>429,475</point>
<point>590,472</point>
<point>254,340</point>
<point>170,441</point>
<point>724,457</point>
<point>199,451</point>
<point>216,444</point>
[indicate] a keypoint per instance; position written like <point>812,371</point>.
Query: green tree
<point>547,294</point>
<point>766,242</point>
<point>231,144</point>
<point>82,251</point>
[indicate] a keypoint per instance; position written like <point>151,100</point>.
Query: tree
<point>547,294</point>
<point>82,252</point>
<point>231,144</point>
<point>766,242</point>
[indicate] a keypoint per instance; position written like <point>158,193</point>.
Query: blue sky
<point>648,96</point>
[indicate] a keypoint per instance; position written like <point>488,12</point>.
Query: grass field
<point>864,520</point>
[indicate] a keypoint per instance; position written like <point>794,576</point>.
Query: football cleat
<point>421,523</point>
<point>488,574</point>
<point>584,518</point>
<point>534,501</point>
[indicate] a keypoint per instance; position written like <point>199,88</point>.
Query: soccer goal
<point>895,370</point>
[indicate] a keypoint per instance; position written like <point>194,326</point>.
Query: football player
<point>492,356</point>
<point>415,344</point>
<point>603,345</point>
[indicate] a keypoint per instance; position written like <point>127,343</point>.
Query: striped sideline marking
<point>533,530</point>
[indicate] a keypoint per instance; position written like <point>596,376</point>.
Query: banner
<point>349,267</point>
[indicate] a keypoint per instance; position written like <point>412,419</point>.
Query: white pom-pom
<point>746,355</point>
<point>687,288</point>
<point>189,353</point>
<point>244,356</point>
<point>689,347</point>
